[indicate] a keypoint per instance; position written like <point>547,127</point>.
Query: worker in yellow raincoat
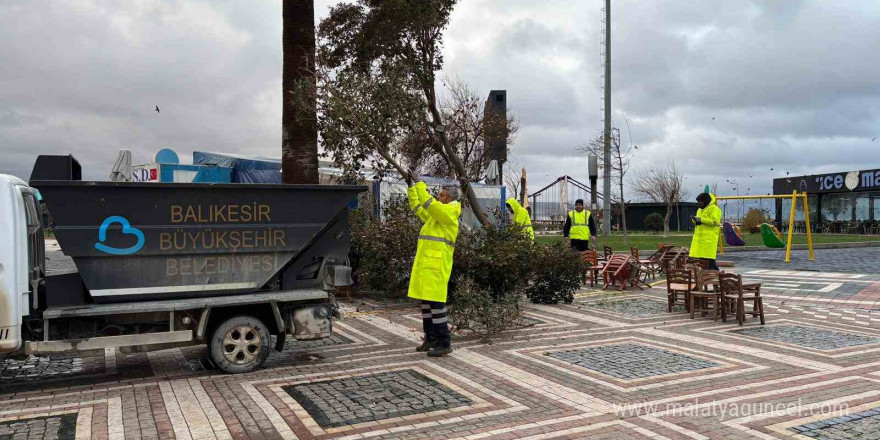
<point>707,230</point>
<point>433,264</point>
<point>521,216</point>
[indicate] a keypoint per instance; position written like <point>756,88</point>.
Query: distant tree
<point>753,219</point>
<point>654,221</point>
<point>661,184</point>
<point>299,132</point>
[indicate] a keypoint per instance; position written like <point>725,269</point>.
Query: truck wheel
<point>239,344</point>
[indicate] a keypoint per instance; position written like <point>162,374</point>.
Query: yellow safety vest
<point>433,264</point>
<point>580,225</point>
<point>521,217</point>
<point>705,241</point>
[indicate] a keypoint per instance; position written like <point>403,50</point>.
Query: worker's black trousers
<point>580,245</point>
<point>713,265</point>
<point>435,324</point>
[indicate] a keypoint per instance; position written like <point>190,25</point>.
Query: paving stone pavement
<point>60,427</point>
<point>812,337</point>
<point>632,361</point>
<point>863,425</point>
<point>634,307</point>
<point>373,397</point>
<point>610,365</point>
<point>862,260</point>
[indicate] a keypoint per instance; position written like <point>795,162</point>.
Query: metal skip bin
<point>134,241</point>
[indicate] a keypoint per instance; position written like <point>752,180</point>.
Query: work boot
<point>438,351</point>
<point>426,346</point>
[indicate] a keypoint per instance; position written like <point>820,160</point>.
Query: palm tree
<point>299,131</point>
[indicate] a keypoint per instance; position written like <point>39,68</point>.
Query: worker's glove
<point>697,220</point>
<point>414,177</point>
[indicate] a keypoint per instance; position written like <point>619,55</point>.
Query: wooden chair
<point>607,252</point>
<point>697,264</point>
<point>674,258</point>
<point>617,269</point>
<point>735,295</point>
<point>706,296</point>
<point>650,266</point>
<point>591,257</point>
<point>679,285</point>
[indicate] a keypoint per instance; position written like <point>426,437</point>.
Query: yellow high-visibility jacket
<point>433,264</point>
<point>580,225</point>
<point>521,217</point>
<point>705,241</point>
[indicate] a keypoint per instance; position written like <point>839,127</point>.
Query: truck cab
<point>22,261</point>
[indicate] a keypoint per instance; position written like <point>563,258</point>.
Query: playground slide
<point>731,237</point>
<point>770,238</point>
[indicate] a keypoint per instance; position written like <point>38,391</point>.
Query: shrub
<point>474,309</point>
<point>753,220</point>
<point>382,252</point>
<point>497,259</point>
<point>557,274</point>
<point>654,221</point>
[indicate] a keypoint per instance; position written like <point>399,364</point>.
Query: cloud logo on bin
<point>127,229</point>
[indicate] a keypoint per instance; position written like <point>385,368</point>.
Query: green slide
<point>770,238</point>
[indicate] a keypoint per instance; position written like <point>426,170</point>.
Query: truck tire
<point>239,344</point>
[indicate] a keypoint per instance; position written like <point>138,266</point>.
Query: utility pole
<point>606,175</point>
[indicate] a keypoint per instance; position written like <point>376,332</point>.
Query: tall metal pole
<point>606,176</point>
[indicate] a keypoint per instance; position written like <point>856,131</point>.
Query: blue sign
<point>127,228</point>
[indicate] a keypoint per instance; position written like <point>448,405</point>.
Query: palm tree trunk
<point>299,130</point>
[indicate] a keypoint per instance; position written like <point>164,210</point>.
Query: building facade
<point>848,196</point>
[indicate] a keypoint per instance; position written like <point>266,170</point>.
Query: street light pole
<point>606,176</point>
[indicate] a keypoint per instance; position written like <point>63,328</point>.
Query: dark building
<point>495,132</point>
<point>835,198</point>
<point>679,221</point>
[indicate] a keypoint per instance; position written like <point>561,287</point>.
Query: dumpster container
<point>134,241</point>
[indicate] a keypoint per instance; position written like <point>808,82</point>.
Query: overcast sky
<point>791,85</point>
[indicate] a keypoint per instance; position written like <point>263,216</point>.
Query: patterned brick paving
<point>609,365</point>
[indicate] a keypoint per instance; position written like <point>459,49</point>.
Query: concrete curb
<point>802,247</point>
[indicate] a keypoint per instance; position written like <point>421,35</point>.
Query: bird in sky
<point>875,137</point>
<point>157,109</point>
<point>752,176</point>
<point>771,169</point>
<point>786,173</point>
<point>636,147</point>
<point>713,119</point>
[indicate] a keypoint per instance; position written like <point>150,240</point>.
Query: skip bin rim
<point>281,186</point>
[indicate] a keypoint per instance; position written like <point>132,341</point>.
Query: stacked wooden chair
<point>735,295</point>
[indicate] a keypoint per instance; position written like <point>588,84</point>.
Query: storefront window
<point>799,212</point>
<point>838,207</point>
<point>876,200</point>
<point>863,207</point>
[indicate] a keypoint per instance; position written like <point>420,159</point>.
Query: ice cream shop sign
<point>828,183</point>
<point>850,181</point>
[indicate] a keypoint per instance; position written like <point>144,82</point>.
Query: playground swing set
<point>769,234</point>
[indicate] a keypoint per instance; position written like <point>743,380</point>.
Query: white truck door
<point>13,261</point>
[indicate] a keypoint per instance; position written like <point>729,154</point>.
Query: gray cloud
<point>791,84</point>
